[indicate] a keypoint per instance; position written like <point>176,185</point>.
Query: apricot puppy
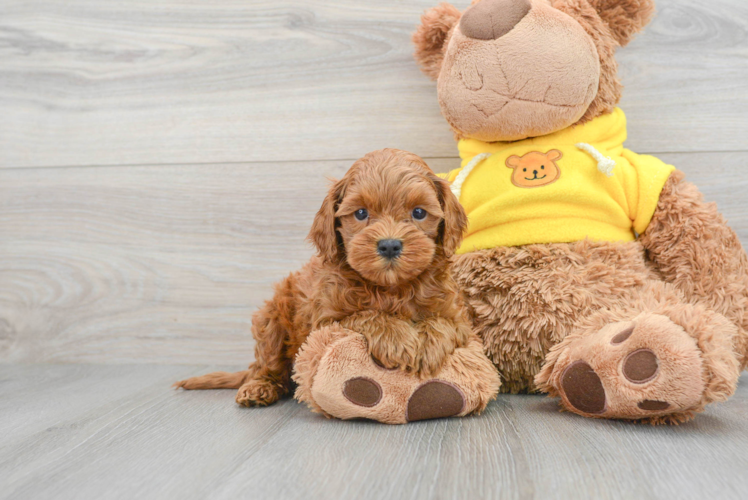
<point>384,235</point>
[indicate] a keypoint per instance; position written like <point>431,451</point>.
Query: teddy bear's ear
<point>513,161</point>
<point>554,154</point>
<point>431,36</point>
<point>625,18</point>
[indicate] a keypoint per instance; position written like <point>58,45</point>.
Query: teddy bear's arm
<point>692,247</point>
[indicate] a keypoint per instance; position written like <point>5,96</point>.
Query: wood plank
<point>91,82</point>
<point>158,443</point>
<point>166,264</point>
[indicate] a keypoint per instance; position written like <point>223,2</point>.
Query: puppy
<point>384,236</point>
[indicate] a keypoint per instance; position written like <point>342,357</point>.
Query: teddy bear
<point>591,273</point>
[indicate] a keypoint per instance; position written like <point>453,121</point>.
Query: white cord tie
<point>605,164</point>
<point>456,186</point>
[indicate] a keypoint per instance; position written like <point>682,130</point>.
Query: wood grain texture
<point>114,82</point>
<point>160,164</point>
<point>165,264</point>
<point>81,431</point>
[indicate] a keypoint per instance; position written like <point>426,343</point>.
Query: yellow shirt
<point>558,188</point>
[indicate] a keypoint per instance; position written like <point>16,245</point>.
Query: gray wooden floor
<point>160,164</point>
<point>86,431</point>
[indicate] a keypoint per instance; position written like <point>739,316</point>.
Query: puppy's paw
<point>395,354</point>
<point>258,392</point>
<point>432,355</point>
<point>392,341</point>
<point>438,340</point>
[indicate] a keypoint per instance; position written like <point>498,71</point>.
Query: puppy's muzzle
<point>390,249</point>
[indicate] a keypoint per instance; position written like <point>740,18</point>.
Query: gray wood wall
<point>160,161</point>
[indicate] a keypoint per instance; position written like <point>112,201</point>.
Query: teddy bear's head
<point>512,69</point>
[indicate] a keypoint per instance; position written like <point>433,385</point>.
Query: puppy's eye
<point>419,214</point>
<point>361,214</point>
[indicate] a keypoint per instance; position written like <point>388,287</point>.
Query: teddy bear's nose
<point>491,19</point>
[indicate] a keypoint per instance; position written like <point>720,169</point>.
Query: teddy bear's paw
<point>649,368</point>
<point>350,383</point>
<point>432,399</point>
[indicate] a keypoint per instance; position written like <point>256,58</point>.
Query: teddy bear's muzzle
<point>491,19</point>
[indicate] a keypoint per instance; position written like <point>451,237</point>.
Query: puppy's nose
<point>491,19</point>
<point>389,249</point>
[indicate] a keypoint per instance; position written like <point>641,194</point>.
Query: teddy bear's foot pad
<point>362,391</point>
<point>348,383</point>
<point>637,370</point>
<point>435,399</point>
<point>584,390</point>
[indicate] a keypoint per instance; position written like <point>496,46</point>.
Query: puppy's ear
<point>625,18</point>
<point>324,234</point>
<point>455,221</point>
<point>431,36</point>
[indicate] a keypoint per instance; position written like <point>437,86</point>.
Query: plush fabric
<point>505,89</point>
<point>601,278</point>
<point>333,359</point>
<point>520,196</point>
<point>691,349</point>
<point>492,19</point>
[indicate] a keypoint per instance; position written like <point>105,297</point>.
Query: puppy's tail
<point>215,380</point>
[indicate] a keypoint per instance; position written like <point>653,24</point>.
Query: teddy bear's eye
<point>361,214</point>
<point>542,167</point>
<point>524,170</point>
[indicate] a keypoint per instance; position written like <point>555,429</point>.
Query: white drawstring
<point>605,164</point>
<point>460,179</point>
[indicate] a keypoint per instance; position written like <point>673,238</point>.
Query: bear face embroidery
<point>535,169</point>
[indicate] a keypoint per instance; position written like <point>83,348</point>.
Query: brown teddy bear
<point>591,272</point>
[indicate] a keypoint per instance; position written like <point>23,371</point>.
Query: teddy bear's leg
<point>659,360</point>
<point>337,377</point>
<point>692,247</point>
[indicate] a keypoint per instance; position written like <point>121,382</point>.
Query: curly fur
<point>409,309</point>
